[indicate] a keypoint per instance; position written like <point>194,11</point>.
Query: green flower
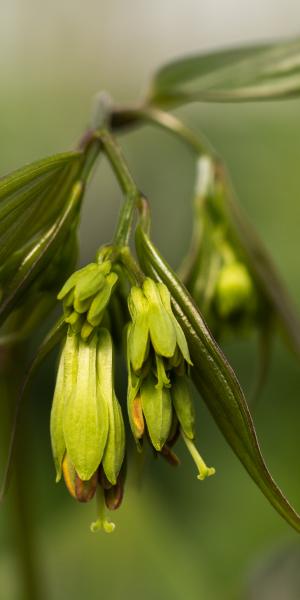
<point>87,429</point>
<point>158,398</point>
<point>86,295</point>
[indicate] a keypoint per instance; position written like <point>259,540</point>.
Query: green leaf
<point>263,72</point>
<point>30,200</point>
<point>18,179</point>
<point>11,203</point>
<point>41,253</point>
<point>215,380</point>
<point>52,338</point>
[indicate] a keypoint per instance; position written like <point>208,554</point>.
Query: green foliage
<point>242,74</point>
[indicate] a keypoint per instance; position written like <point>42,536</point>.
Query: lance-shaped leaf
<point>215,380</point>
<point>263,72</point>
<point>17,180</point>
<point>41,253</point>
<point>25,201</point>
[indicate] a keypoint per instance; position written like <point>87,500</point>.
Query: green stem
<point>92,149</point>
<point>102,139</point>
<point>129,117</point>
<point>131,266</point>
<point>127,184</point>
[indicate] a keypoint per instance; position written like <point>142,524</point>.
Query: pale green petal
<point>81,418</point>
<point>73,279</point>
<point>101,300</point>
<point>56,419</point>
<point>180,337</point>
<point>115,447</point>
<point>157,409</point>
<point>138,341</point>
<point>162,332</point>
<point>184,407</point>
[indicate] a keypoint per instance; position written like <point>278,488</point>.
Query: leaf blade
<point>40,254</point>
<point>20,177</point>
<point>241,74</point>
<point>212,375</point>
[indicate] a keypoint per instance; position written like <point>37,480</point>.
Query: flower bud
<point>86,295</point>
<point>234,290</point>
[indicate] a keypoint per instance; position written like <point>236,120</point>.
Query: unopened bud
<point>234,291</point>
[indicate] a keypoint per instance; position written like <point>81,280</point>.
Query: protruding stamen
<point>204,471</point>
<point>102,522</point>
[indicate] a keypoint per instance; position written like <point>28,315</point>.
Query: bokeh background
<point>176,537</point>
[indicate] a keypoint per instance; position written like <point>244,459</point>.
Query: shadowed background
<point>176,537</point>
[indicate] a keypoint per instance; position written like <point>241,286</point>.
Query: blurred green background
<point>176,537</point>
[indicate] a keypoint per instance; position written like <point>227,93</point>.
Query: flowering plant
<point>168,325</point>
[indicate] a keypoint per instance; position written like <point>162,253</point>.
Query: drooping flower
<point>158,359</point>
<point>87,429</point>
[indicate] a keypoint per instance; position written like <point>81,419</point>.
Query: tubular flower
<point>158,359</point>
<point>87,429</point>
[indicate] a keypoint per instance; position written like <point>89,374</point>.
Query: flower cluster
<point>86,295</point>
<point>87,428</point>
<point>159,400</point>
